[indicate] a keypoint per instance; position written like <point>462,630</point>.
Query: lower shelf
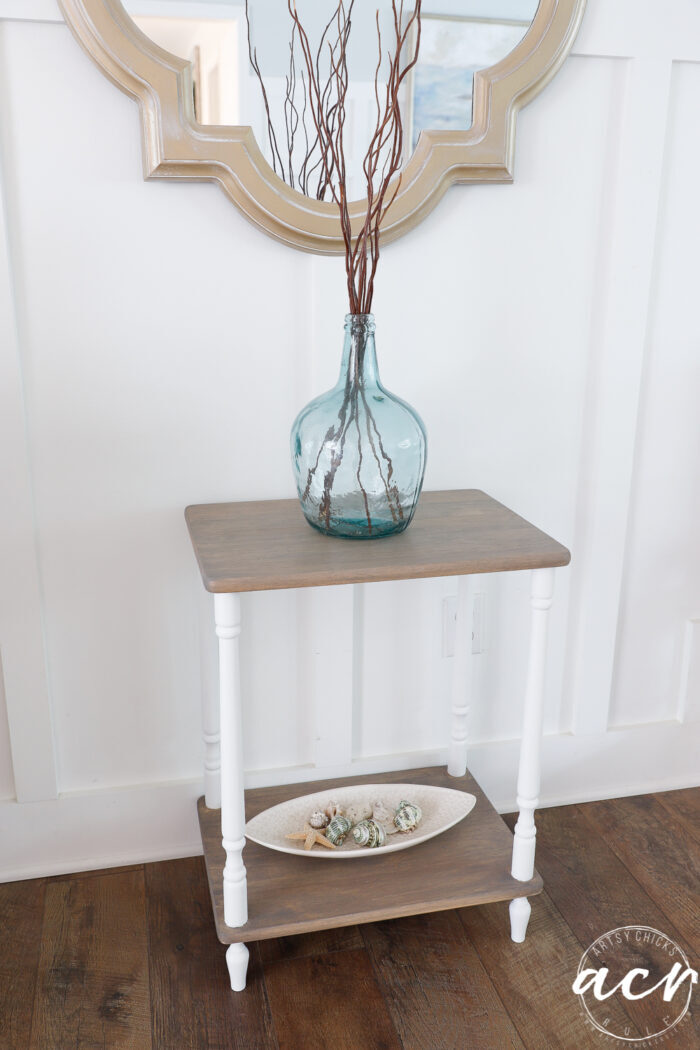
<point>469,864</point>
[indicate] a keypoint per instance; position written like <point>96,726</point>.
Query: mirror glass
<point>458,37</point>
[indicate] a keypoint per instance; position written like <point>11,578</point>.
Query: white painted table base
<point>462,676</point>
<point>211,724</point>
<point>225,787</point>
<point>227,612</point>
<point>529,768</point>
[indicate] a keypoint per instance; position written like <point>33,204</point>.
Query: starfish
<point>311,837</point>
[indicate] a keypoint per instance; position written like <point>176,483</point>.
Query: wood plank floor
<point>128,958</point>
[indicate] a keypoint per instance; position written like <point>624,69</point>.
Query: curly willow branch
<point>320,169</point>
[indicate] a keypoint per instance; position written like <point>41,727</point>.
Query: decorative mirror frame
<point>175,146</point>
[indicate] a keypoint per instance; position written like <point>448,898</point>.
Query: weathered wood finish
<point>320,942</point>
<point>92,988</point>
<point>268,545</point>
<point>446,981</point>
<point>192,1004</point>
<point>592,890</point>
<point>533,980</point>
<point>469,864</point>
<point>21,911</point>
<point>666,857</point>
<point>338,994</point>
<point>684,805</point>
<point>434,981</point>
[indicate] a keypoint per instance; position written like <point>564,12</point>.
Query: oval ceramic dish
<point>442,809</point>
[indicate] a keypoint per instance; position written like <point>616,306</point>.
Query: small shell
<point>384,816</point>
<point>407,816</point>
<point>358,812</point>
<point>370,834</point>
<point>318,819</point>
<point>412,805</point>
<point>333,809</point>
<point>337,830</point>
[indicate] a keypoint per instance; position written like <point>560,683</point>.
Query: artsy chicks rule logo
<point>635,986</point>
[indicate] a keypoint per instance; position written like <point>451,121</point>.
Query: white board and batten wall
<point>154,349</point>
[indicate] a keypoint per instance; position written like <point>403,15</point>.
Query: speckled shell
<point>333,809</point>
<point>370,834</point>
<point>318,820</point>
<point>407,816</point>
<point>337,830</point>
<point>357,813</point>
<point>384,816</point>
<point>404,803</point>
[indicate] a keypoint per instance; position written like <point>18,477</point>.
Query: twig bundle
<point>322,171</point>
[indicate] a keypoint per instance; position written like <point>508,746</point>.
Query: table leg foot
<point>237,962</point>
<point>519,918</point>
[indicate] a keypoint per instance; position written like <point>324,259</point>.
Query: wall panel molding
<point>689,688</point>
<point>21,627</point>
<point>627,250</point>
<point>212,321</point>
<point>147,822</point>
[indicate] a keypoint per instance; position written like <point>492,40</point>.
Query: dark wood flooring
<point>129,959</point>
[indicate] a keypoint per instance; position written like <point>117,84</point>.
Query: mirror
<point>458,37</point>
<point>186,62</point>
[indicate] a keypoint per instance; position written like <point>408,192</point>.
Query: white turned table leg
<point>211,733</point>
<point>228,628</point>
<point>462,672</point>
<point>237,962</point>
<point>529,769</point>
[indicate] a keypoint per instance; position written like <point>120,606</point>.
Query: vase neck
<point>359,352</point>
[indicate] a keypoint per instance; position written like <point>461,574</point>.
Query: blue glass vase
<point>358,452</point>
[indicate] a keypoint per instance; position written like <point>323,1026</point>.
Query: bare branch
<point>324,85</point>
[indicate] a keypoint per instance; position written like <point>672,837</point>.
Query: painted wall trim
<point>689,689</point>
<point>99,829</point>
<point>24,662</point>
<point>618,340</point>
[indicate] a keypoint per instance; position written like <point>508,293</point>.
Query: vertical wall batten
<point>24,658</point>
<point>619,338</point>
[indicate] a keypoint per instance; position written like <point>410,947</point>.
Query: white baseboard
<point>634,760</point>
<point>84,831</point>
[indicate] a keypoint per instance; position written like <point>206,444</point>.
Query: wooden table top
<point>268,545</point>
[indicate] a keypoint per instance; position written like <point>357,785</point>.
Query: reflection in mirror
<point>458,37</point>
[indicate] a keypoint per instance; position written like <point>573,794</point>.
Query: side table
<point>267,545</point>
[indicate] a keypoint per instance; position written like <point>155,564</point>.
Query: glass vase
<point>358,452</point>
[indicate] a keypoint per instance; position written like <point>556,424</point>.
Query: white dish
<point>442,809</point>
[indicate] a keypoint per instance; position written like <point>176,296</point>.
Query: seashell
<point>403,804</point>
<point>358,812</point>
<point>318,819</point>
<point>407,816</point>
<point>384,816</point>
<point>337,829</point>
<point>333,809</point>
<point>370,834</point>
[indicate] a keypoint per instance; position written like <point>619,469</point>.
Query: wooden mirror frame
<point>175,146</point>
